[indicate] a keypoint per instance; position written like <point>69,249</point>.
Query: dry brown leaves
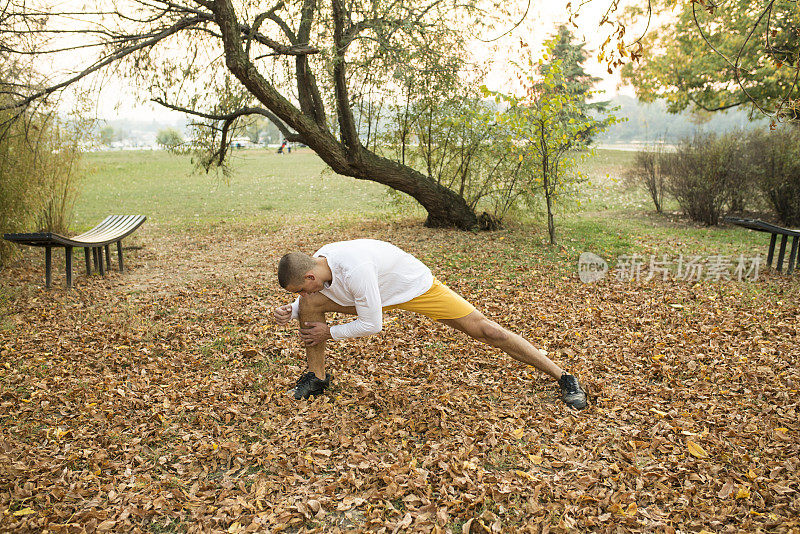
<point>155,401</point>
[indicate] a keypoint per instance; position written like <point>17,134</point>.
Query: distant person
<point>283,145</point>
<point>365,277</point>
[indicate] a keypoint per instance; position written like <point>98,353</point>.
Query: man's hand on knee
<point>283,314</point>
<point>315,333</point>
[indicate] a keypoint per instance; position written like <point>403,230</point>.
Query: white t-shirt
<point>369,275</point>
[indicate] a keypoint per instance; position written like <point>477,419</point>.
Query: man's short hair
<point>293,267</point>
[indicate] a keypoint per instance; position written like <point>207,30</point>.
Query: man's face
<point>311,284</point>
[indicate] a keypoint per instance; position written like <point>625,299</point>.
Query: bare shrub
<point>700,176</point>
<point>647,170</point>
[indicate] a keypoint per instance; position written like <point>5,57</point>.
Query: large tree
<point>303,64</point>
<point>719,55</point>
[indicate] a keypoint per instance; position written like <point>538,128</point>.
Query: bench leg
<point>94,260</point>
<point>68,257</point>
<point>108,259</point>
<point>119,255</point>
<point>771,252</point>
<point>48,275</point>
<point>782,253</point>
<point>100,261</point>
<point>792,256</point>
<point>88,265</point>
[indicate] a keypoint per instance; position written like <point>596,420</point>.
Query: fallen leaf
<point>696,450</point>
<point>726,490</point>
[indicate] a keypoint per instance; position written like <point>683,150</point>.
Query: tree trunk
<point>446,209</point>
<point>551,225</point>
<point>346,156</point>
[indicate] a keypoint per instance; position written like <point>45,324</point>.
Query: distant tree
<point>717,56</point>
<point>259,127</point>
<point>575,81</point>
<point>169,138</point>
<point>107,135</point>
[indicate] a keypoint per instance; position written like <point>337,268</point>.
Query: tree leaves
<point>146,402</point>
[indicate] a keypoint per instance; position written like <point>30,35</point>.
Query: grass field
<point>265,189</point>
<point>262,187</point>
<point>155,400</point>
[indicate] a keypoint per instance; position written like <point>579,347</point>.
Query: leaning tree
<point>303,64</point>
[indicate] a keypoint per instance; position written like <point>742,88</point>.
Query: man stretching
<point>365,277</point>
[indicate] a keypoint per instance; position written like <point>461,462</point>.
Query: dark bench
<point>775,231</point>
<point>111,230</point>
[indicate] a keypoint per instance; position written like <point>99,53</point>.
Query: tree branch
<point>316,136</point>
<point>311,102</point>
<point>718,108</point>
<point>289,135</point>
<point>272,15</point>
<point>347,127</point>
<point>735,66</point>
<point>175,28</point>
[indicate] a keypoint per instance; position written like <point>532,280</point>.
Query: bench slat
<point>774,231</point>
<point>761,226</point>
<point>108,232</point>
<point>111,229</point>
<point>109,224</point>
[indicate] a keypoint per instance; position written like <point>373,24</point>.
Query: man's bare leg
<point>476,325</point>
<point>312,310</point>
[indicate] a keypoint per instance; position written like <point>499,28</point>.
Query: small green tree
<point>169,138</point>
<point>575,80</point>
<point>547,126</point>
<point>452,135</point>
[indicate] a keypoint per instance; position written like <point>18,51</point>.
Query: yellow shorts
<point>439,302</point>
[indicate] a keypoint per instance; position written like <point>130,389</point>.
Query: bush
<point>702,176</point>
<point>648,171</point>
<point>774,161</point>
<point>38,176</point>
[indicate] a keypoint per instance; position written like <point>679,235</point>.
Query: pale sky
<point>540,24</point>
<point>113,98</point>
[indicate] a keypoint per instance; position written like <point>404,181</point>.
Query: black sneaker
<point>308,385</point>
<point>571,392</point>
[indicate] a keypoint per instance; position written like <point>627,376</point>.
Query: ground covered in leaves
<point>154,400</point>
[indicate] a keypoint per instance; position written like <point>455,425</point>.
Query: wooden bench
<point>111,230</point>
<point>775,231</point>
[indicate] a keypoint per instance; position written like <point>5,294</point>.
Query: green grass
<point>608,217</point>
<point>263,186</point>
